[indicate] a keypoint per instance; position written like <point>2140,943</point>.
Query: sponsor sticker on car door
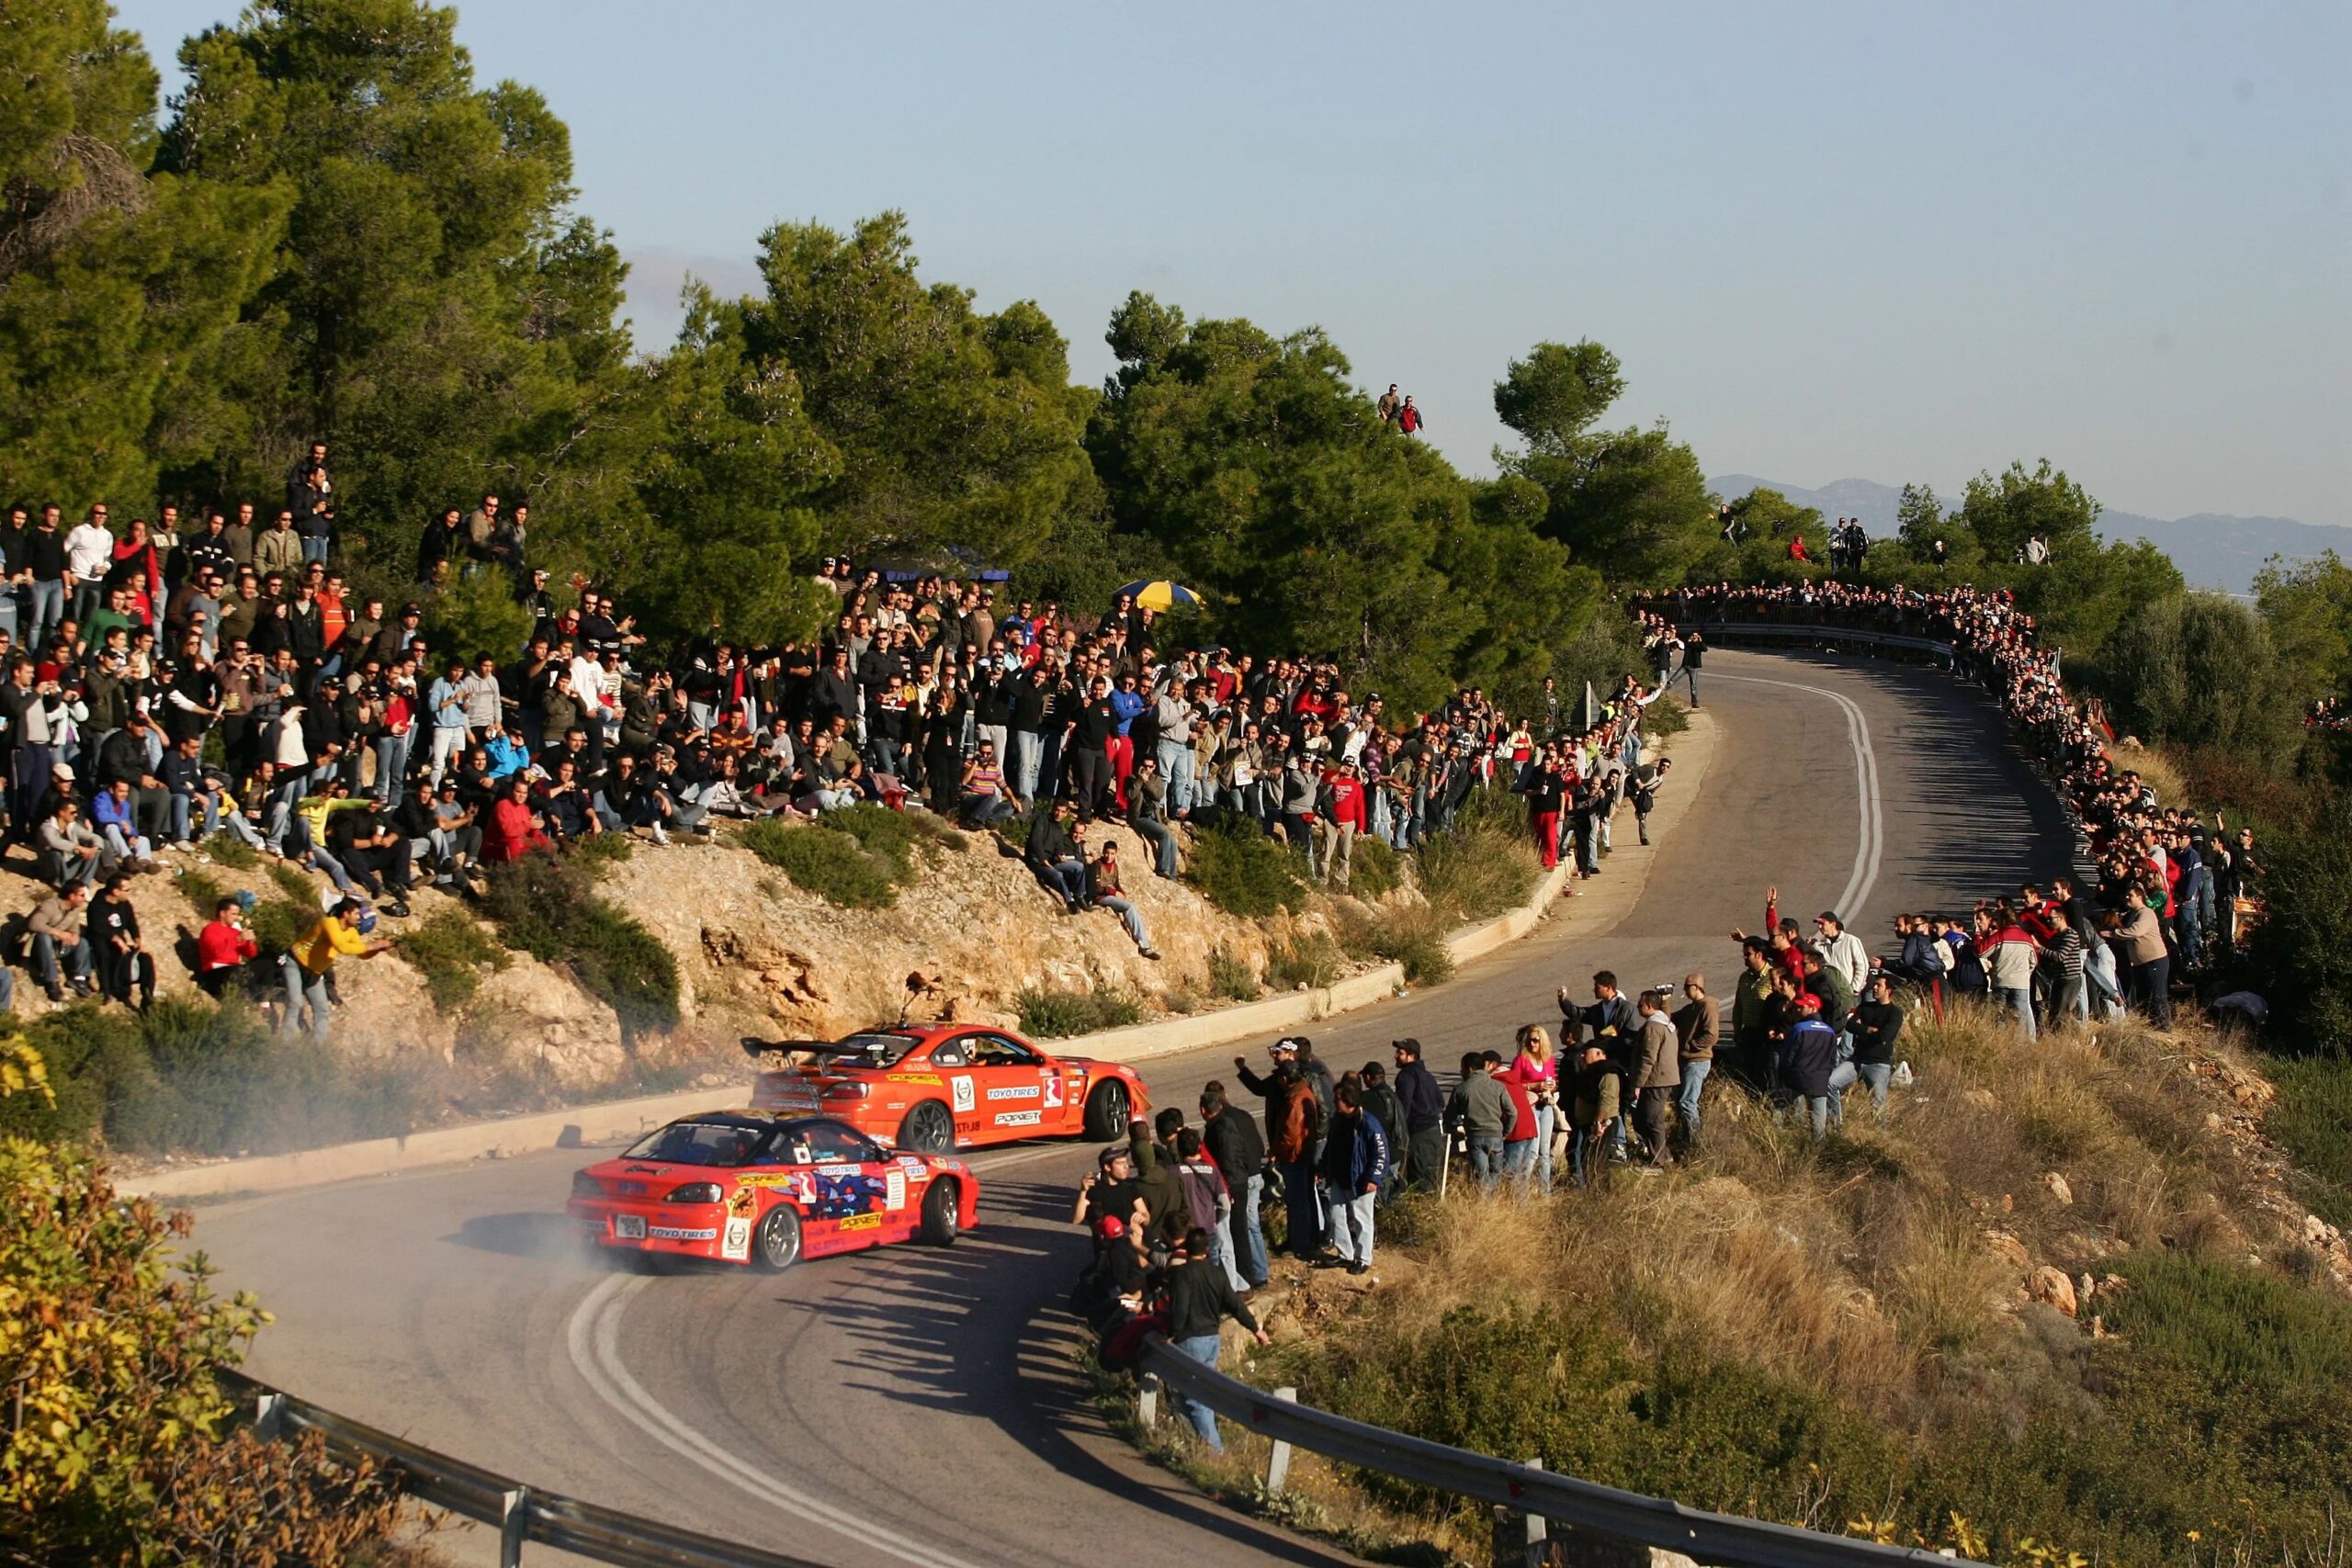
<point>961,1086</point>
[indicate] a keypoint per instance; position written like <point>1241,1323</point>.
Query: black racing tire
<point>942,1221</point>
<point>775,1245</point>
<point>928,1130</point>
<point>1106,1112</point>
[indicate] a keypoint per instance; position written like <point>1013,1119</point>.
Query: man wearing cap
<point>1294,1123</point>
<point>1807,1059</point>
<point>1340,815</point>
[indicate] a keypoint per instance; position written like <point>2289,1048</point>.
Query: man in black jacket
<point>1200,1298</point>
<point>1054,855</point>
<point>1423,1109</point>
<point>1234,1142</point>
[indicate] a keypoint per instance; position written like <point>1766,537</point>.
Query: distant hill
<point>2211,550</point>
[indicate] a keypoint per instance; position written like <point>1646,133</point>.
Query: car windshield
<point>697,1143</point>
<point>875,1050</point>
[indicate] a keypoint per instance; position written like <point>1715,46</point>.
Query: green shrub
<point>1231,977</point>
<point>452,953</point>
<point>1056,1014</point>
<point>1241,871</point>
<point>1374,868</point>
<point>835,866</point>
<point>2312,1119</point>
<point>1668,716</point>
<point>594,853</point>
<point>190,1076</point>
<point>1312,960</point>
<point>2302,952</point>
<point>227,849</point>
<point>543,907</point>
<point>1484,863</point>
<point>1411,934</point>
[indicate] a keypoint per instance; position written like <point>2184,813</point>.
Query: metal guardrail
<point>1714,1538</point>
<point>1775,631</point>
<point>519,1513</point>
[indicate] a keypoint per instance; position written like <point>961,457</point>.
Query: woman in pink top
<point>1537,1071</point>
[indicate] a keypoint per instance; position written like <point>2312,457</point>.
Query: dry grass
<point>1868,1266</point>
<point>2157,768</point>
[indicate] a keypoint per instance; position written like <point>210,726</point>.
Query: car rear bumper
<point>678,1231</point>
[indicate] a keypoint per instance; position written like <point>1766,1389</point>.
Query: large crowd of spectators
<point>165,683</point>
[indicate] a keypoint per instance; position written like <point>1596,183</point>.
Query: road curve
<point>922,1407</point>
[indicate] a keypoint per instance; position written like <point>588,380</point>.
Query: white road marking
<point>593,1338</point>
<point>1869,846</point>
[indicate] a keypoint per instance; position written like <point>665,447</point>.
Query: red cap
<point>1807,1000</point>
<point>1110,1227</point>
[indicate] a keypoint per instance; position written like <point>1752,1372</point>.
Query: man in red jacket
<point>223,948</point>
<point>1342,814</point>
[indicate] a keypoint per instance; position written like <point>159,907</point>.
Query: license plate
<point>629,1227</point>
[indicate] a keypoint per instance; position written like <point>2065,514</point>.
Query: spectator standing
<point>1808,1059</point>
<point>1200,1298</point>
<point>1536,1073</point>
<point>1423,1109</point>
<point>89,556</point>
<point>1408,418</point>
<point>1877,1024</point>
<point>1658,1075</point>
<point>309,963</point>
<point>1355,1167</point>
<point>1233,1141</point>
<point>1293,1125</point>
<point>1697,1025</point>
<point>224,948</point>
<point>1480,1110</point>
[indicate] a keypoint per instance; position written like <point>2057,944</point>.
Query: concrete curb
<point>582,1126</point>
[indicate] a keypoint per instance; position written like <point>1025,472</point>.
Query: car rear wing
<point>756,1048</point>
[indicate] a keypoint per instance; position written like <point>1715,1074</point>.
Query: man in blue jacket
<point>1355,1163</point>
<point>1807,1058</point>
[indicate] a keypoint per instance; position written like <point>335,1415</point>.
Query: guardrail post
<point>269,1414</point>
<point>1535,1542</point>
<point>1148,1406</point>
<point>1278,1460</point>
<point>513,1524</point>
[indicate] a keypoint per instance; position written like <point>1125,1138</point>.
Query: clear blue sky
<point>1893,240</point>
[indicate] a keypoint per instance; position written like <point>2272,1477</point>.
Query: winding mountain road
<point>916,1406</point>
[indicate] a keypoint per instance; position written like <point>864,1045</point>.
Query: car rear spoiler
<point>755,1047</point>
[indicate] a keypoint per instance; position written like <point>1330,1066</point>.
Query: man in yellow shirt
<point>307,964</point>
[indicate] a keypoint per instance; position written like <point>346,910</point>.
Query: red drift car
<point>931,1088</point>
<point>746,1187</point>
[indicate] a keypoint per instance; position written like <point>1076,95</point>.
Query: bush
<point>1411,934</point>
<point>193,1078</point>
<point>227,849</point>
<point>1665,717</point>
<point>127,1462</point>
<point>1055,1014</point>
<point>1374,869</point>
<point>452,951</point>
<point>835,866</point>
<point>1231,977</point>
<point>545,908</point>
<point>2312,1119</point>
<point>2302,952</point>
<point>1485,863</point>
<point>1311,959</point>
<point>594,853</point>
<point>1241,871</point>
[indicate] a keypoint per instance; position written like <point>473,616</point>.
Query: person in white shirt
<point>89,556</point>
<point>1843,951</point>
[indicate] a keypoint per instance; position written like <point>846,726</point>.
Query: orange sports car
<point>747,1186</point>
<point>931,1088</point>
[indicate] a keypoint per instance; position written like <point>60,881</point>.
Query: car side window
<point>830,1143</point>
<point>996,1051</point>
<point>950,1053</point>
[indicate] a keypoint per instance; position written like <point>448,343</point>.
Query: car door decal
<point>1052,1088</point>
<point>961,1084</point>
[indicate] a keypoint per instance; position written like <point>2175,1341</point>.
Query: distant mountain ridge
<point>2213,549</point>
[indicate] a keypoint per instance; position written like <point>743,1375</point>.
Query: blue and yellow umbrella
<point>1160,594</point>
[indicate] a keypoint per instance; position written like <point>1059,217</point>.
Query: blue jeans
<point>1547,1117</point>
<point>46,954</point>
<point>48,609</point>
<point>1248,1242</point>
<point>1686,1102</point>
<point>1028,750</point>
<point>2020,1000</point>
<point>1127,912</point>
<point>392,762</point>
<point>1305,1211</point>
<point>1162,839</point>
<point>1349,1218</point>
<point>1202,1347</point>
<point>1823,1110</point>
<point>314,549</point>
<point>1176,762</point>
<point>301,987</point>
<point>1068,877</point>
<point>1487,1158</point>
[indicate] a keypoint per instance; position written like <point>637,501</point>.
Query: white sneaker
<point>659,836</point>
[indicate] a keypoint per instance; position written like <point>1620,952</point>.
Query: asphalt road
<point>920,1406</point>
